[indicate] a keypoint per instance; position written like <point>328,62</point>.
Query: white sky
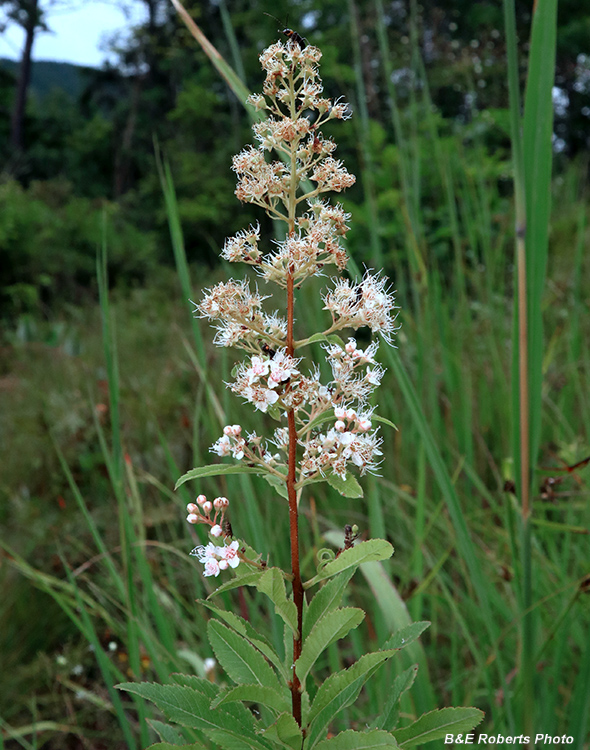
<point>75,35</point>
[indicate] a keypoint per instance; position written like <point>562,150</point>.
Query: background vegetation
<point>109,390</point>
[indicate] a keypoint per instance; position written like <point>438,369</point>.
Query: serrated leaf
<point>333,626</point>
<point>213,470</point>
<point>272,584</point>
<point>277,700</point>
<point>285,732</point>
<point>327,598</point>
<point>227,739</point>
<point>250,578</point>
<point>371,550</point>
<point>351,740</point>
<point>242,662</point>
<point>277,484</point>
<point>348,487</point>
<point>435,724</point>
<point>191,708</point>
<point>406,635</point>
<point>165,732</point>
<point>168,746</point>
<point>390,713</point>
<point>243,627</point>
<point>340,690</point>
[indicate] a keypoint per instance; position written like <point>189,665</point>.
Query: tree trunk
<point>24,78</point>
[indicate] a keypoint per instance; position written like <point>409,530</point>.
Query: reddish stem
<point>294,520</point>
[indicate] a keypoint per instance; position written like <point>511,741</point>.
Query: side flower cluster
<point>201,512</point>
<point>216,559</point>
<point>349,441</point>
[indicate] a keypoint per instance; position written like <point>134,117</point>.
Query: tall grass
<point>502,586</point>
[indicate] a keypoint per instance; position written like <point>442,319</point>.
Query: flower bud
<point>350,414</point>
<point>216,530</point>
<point>192,508</point>
<point>201,499</point>
<point>207,506</point>
<point>340,412</point>
<point>364,424</point>
<point>340,426</point>
<point>220,502</point>
<point>223,565</point>
<point>192,518</point>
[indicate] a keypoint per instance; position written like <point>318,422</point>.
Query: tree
<point>30,15</point>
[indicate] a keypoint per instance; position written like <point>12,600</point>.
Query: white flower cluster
<point>352,380</point>
<point>366,304</point>
<point>242,322</point>
<point>200,512</point>
<point>260,382</point>
<point>348,441</point>
<point>253,448</point>
<point>216,558</point>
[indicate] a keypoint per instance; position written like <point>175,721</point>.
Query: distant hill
<point>47,75</point>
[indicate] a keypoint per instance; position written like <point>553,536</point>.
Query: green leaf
<point>277,700</point>
<point>351,740</point>
<point>348,487</point>
<point>371,550</point>
<point>272,584</point>
<point>242,662</point>
<point>249,578</point>
<point>213,470</point>
<point>165,732</point>
<point>277,484</point>
<point>332,338</point>
<point>340,690</point>
<point>190,706</point>
<point>168,746</point>
<point>383,420</point>
<point>390,713</point>
<point>327,598</point>
<point>435,724</point>
<point>243,627</point>
<point>333,626</point>
<point>285,732</point>
<point>406,635</point>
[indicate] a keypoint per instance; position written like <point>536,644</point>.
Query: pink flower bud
<point>340,412</point>
<point>192,508</point>
<point>220,502</point>
<point>227,430</point>
<point>339,426</point>
<point>207,506</point>
<point>201,499</point>
<point>192,518</point>
<point>223,565</point>
<point>216,530</point>
<point>350,414</point>
<point>365,424</point>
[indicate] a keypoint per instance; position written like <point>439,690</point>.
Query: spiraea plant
<point>327,432</point>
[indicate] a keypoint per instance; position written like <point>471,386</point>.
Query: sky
<point>75,35</point>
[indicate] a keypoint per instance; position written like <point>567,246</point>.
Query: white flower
<point>229,552</point>
<point>211,567</point>
<point>221,447</point>
<point>262,398</point>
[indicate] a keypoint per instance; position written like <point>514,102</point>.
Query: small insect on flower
<point>293,35</point>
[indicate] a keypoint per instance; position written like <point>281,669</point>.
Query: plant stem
<point>291,471</point>
<point>294,522</point>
